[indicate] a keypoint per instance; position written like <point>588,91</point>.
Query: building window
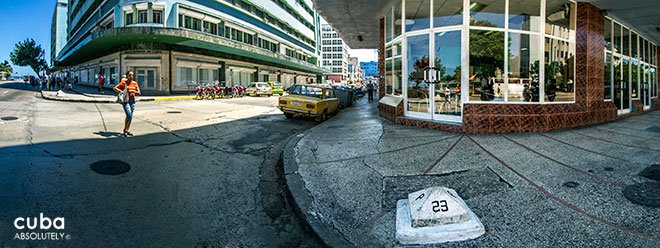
<point>158,16</point>
<point>129,18</point>
<point>142,16</point>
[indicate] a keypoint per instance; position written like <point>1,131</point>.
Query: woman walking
<point>132,88</point>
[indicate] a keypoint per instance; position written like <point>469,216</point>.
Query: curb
<point>303,201</point>
<point>110,99</point>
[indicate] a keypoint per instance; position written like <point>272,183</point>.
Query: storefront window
<point>486,65</point>
<point>388,77</point>
<point>608,34</point>
<point>185,77</point>
<point>388,26</point>
<point>559,71</point>
<point>525,15</point>
<point>447,13</point>
<point>560,19</point>
<point>634,79</point>
<point>617,38</point>
<point>418,61</point>
<point>524,68</point>
<point>626,41</point>
<point>397,19</point>
<point>608,77</point>
<point>487,13</point>
<point>448,61</point>
<point>397,80</point>
<point>417,15</point>
<point>633,46</point>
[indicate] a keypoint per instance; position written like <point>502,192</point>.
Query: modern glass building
<point>507,66</point>
<point>172,45</point>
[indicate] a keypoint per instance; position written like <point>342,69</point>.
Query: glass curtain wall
<point>630,67</point>
<point>510,52</point>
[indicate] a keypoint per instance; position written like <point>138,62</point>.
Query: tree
<point>6,67</point>
<point>28,53</point>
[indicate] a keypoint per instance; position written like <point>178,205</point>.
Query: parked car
<point>309,101</point>
<point>259,89</point>
<point>277,88</point>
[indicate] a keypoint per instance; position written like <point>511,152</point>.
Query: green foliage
<point>6,67</point>
<point>28,53</point>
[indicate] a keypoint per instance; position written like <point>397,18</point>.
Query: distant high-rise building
<point>334,53</point>
<point>355,72</point>
<point>58,32</point>
<point>370,68</point>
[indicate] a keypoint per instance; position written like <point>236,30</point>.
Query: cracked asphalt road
<point>205,177</point>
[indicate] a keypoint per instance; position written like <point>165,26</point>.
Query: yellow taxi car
<point>310,101</point>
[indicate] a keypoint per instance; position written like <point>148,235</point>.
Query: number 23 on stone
<point>440,206</point>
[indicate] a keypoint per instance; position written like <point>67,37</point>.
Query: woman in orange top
<point>129,107</point>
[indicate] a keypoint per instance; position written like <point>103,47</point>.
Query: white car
<point>259,89</point>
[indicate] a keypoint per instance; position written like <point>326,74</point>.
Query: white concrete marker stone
<point>435,215</point>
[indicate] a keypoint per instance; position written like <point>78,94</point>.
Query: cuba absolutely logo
<point>40,228</point>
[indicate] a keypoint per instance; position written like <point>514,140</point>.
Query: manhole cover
<point>571,184</point>
<point>645,194</point>
<point>609,169</point>
<point>655,129</point>
<point>9,118</point>
<point>174,112</point>
<point>652,172</point>
<point>110,167</point>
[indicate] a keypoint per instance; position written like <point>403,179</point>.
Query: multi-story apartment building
<point>58,29</point>
<point>370,68</point>
<point>172,45</point>
<point>334,52</point>
<point>355,72</point>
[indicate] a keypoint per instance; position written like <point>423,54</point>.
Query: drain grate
<point>645,194</point>
<point>654,129</point>
<point>652,172</point>
<point>174,112</point>
<point>9,118</point>
<point>571,184</point>
<point>110,167</point>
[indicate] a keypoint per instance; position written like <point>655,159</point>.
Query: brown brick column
<point>589,57</point>
<point>381,59</point>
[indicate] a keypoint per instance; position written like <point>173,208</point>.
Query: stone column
<point>381,59</point>
<point>589,74</point>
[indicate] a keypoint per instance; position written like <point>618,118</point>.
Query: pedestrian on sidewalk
<point>101,82</point>
<point>370,91</point>
<point>132,87</point>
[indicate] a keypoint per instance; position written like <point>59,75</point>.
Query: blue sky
<point>22,19</point>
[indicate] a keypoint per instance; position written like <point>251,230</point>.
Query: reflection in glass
<point>417,15</point>
<point>634,71</point>
<point>487,13</point>
<point>397,79</point>
<point>559,71</point>
<point>618,86</point>
<point>388,26</point>
<point>397,19</point>
<point>448,61</point>
<point>625,103</point>
<point>418,61</point>
<point>617,38</point>
<point>654,81</point>
<point>560,18</point>
<point>608,76</point>
<point>608,34</point>
<point>626,41</point>
<point>447,13</point>
<point>486,65</point>
<point>524,61</point>
<point>525,15</point>
<point>388,77</point>
<point>644,80</point>
<point>633,46</point>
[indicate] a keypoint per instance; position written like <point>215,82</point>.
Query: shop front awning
<point>157,38</point>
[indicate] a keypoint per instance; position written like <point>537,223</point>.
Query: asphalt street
<point>197,173</point>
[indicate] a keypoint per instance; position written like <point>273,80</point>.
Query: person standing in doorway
<point>133,89</point>
<point>370,91</point>
<point>101,82</point>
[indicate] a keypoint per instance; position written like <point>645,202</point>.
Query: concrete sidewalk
<point>346,175</point>
<point>85,93</point>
